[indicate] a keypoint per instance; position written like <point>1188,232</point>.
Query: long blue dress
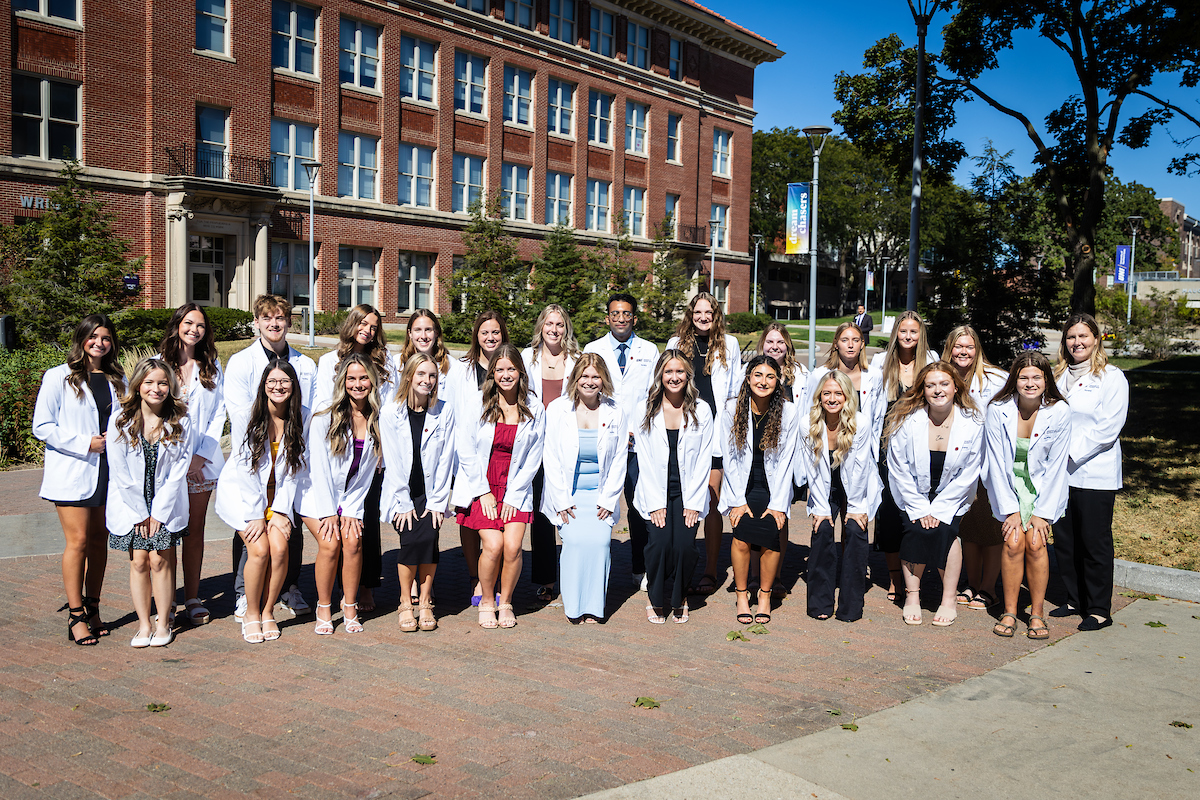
<point>584,563</point>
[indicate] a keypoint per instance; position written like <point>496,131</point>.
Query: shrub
<point>656,331</point>
<point>20,378</point>
<point>745,322</point>
<point>145,327</point>
<point>326,323</point>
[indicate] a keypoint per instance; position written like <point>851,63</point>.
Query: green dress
<point>1026,492</point>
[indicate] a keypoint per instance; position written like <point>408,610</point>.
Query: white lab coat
<point>799,385</point>
<point>994,380</point>
<point>242,490</point>
<point>534,372</point>
<point>206,410</point>
<point>860,472</point>
<point>779,463</point>
<point>126,504</point>
<point>629,390</point>
<point>1048,453</point>
<point>474,444</point>
<point>909,472</point>
<point>1099,407</point>
<point>437,458</point>
<point>327,371</point>
<point>726,378</point>
<point>879,404</point>
<point>870,400</point>
<point>444,378</point>
<point>67,423</point>
<point>324,488</point>
<point>695,460</point>
<point>559,459</point>
<point>242,377</point>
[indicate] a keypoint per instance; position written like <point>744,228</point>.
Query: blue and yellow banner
<point>797,218</point>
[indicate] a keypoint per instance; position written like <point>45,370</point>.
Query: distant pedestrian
<point>864,322</point>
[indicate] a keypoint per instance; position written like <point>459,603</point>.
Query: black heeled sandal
<point>742,619</point>
<point>98,628</point>
<point>79,616</point>
<point>760,618</point>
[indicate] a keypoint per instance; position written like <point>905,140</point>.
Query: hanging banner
<point>1123,255</point>
<point>870,281</point>
<point>797,218</point>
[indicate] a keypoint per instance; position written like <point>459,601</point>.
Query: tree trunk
<point>1083,289</point>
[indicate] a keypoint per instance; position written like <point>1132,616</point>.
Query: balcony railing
<point>692,234</point>
<point>205,162</point>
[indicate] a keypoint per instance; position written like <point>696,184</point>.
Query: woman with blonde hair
<point>848,355</point>
<point>776,342</point>
<point>343,450</point>
<point>716,361</point>
<point>585,475</point>
<point>423,334</point>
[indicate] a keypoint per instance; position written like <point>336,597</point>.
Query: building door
<point>206,269</point>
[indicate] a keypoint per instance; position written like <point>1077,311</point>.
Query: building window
<point>45,118</point>
<point>416,68</point>
<point>357,165</point>
<point>558,199</point>
<point>721,293</point>
<point>603,40</point>
<point>518,89</point>
<point>358,61</point>
<point>675,63</point>
<point>416,281</point>
<point>561,105</point>
<point>470,82</point>
<point>562,20</point>
<point>635,127</point>
<point>416,176</point>
<point>599,117</point>
<point>55,9</point>
<point>473,5</point>
<point>212,26</point>
<point>289,270</point>
<point>721,152</point>
<point>514,191</point>
<point>635,211</point>
<point>212,142</point>
<point>720,213</point>
<point>519,13</point>
<point>291,144</point>
<point>637,49</point>
<point>294,37</point>
<point>674,148</point>
<point>672,214</point>
<point>468,182</point>
<point>597,205</point>
<point>356,276</point>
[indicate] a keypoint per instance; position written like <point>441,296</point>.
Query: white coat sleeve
<point>612,472</point>
<point>902,475</point>
<point>1104,428</point>
<point>695,495</point>
<point>208,440</point>
<point>555,487</point>
<point>437,496</point>
<point>858,488</point>
<point>781,479</point>
<point>171,498</point>
<point>519,491</point>
<point>957,492</point>
<point>1052,494</point>
<point>318,500</point>
<point>732,495</point>
<point>998,473</point>
<point>734,356</point>
<point>395,498</point>
<point>47,412</point>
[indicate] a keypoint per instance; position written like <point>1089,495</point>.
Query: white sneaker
<point>239,608</point>
<point>294,601</point>
<point>645,584</point>
<point>639,580</point>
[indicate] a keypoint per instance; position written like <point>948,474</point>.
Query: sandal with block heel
<point>324,627</point>
<point>507,623</point>
<point>408,624</point>
<point>79,616</point>
<point>93,612</point>
<point>252,638</point>
<point>747,618</point>
<point>759,617</point>
<point>351,623</point>
<point>487,617</point>
<point>427,621</point>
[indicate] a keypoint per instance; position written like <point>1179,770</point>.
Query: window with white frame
<point>635,127</point>
<point>291,144</point>
<point>721,293</point>
<point>674,147</point>
<point>518,90</point>
<point>356,276</point>
<point>416,281</point>
<point>293,37</point>
<point>603,38</point>
<point>634,210</point>
<point>470,82</point>
<point>473,5</point>
<point>45,118</point>
<point>416,176</point>
<point>289,270</point>
<point>720,213</point>
<point>721,163</point>
<point>599,118</point>
<point>358,59</point>
<point>468,182</point>
<point>514,191</point>
<point>358,166</point>
<point>672,213</point>
<point>560,97</point>
<point>562,20</point>
<point>212,142</point>
<point>54,9</point>
<point>519,13</point>
<point>597,205</point>
<point>675,60</point>
<point>558,199</point>
<point>417,71</point>
<point>212,26</point>
<point>637,48</point>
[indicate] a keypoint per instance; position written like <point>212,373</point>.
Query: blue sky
<point>821,39</point>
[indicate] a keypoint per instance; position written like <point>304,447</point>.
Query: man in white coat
<point>630,361</point>
<point>272,317</point>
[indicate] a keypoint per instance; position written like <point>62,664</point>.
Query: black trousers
<point>824,574</point>
<point>295,557</point>
<point>1083,545</point>
<point>543,567</point>
<point>670,553</point>
<point>372,546</point>
<point>637,526</point>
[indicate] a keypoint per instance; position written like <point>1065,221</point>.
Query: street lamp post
<point>922,13</point>
<point>1134,223</point>
<point>712,262</point>
<point>883,264</point>
<point>312,168</point>
<point>816,135</point>
<point>758,237</point>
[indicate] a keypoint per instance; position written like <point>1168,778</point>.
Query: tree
<point>615,266</point>
<point>492,275</point>
<point>562,274</point>
<point>67,264</point>
<point>668,286</point>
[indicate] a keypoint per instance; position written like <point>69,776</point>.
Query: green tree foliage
<point>563,274</point>
<point>492,274</point>
<point>65,265</point>
<point>668,287</point>
<point>1160,326</point>
<point>615,266</point>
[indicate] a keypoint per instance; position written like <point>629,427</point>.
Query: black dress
<point>930,545</point>
<point>98,385</point>
<point>418,545</point>
<point>889,522</point>
<point>760,531</point>
<point>670,550</point>
<point>704,387</point>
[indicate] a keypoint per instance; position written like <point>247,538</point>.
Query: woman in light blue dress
<point>585,475</point>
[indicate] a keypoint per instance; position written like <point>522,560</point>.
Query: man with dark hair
<point>864,322</point>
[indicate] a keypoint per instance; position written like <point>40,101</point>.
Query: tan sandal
<point>427,622</point>
<point>487,617</point>
<point>507,623</point>
<point>1037,633</point>
<point>1001,628</point>
<point>408,625</point>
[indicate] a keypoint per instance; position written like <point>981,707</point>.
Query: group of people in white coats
<point>978,465</point>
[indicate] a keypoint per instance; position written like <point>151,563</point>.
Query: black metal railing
<point>692,234</point>
<point>207,162</point>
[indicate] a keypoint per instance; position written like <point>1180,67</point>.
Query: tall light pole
<point>758,237</point>
<point>712,263</point>
<point>816,135</point>
<point>922,13</point>
<point>883,264</point>
<point>311,168</point>
<point>1134,223</point>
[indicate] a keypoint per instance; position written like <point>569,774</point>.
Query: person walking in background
<point>864,323</point>
<point>71,415</point>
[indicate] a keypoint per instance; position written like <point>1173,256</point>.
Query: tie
<point>621,348</point>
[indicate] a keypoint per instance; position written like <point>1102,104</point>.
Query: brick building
<point>193,120</point>
<point>1188,231</point>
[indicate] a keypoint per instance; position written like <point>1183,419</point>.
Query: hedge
<point>20,378</point>
<point>144,327</point>
<point>745,322</point>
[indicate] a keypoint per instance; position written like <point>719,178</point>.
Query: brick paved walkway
<point>544,710</point>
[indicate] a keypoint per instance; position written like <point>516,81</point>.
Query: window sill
<point>419,103</point>
<point>517,126</point>
<point>674,162</point>
<point>564,136</point>
<point>638,154</point>
<point>57,22</point>
<point>213,54</point>
<point>459,112</point>
<point>722,176</point>
<point>303,76</point>
<point>354,87</point>
<point>601,145</point>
